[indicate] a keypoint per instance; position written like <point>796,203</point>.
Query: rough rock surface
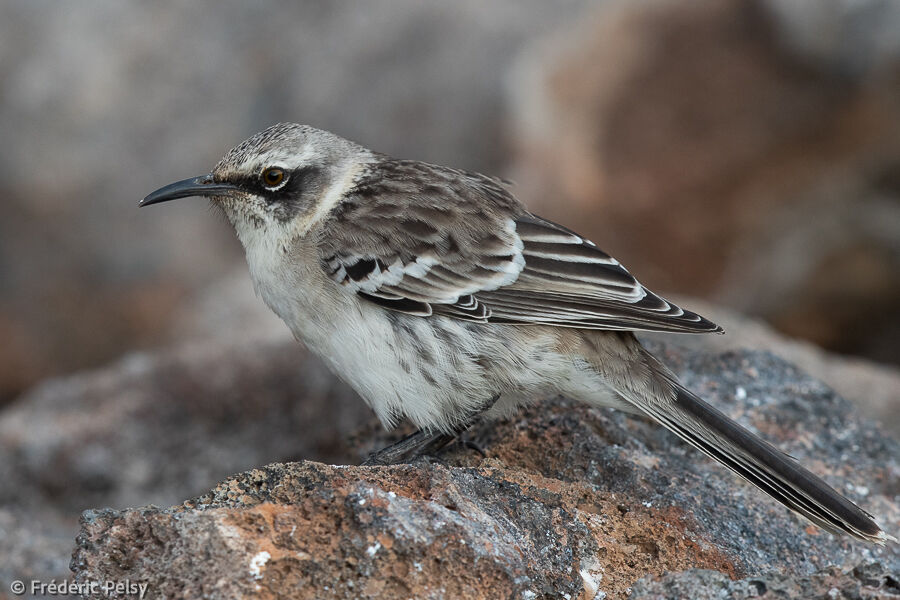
<point>568,502</point>
<point>157,428</point>
<point>867,581</point>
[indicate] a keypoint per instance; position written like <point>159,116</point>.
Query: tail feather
<point>763,465</point>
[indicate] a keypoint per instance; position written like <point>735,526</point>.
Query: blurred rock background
<point>104,101</point>
<point>743,152</point>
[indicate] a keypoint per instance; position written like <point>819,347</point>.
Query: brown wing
<point>424,240</point>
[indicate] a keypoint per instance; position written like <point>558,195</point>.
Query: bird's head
<point>276,180</point>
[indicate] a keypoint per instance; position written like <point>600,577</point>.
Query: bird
<point>441,299</point>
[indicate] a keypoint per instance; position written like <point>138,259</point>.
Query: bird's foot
<point>425,444</point>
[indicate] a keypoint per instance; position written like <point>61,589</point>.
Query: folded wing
<point>461,246</point>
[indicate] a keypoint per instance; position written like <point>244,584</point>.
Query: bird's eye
<point>272,177</point>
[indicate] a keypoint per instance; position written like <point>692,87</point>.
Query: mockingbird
<point>438,297</point>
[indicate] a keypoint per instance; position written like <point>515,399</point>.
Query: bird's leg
<point>467,442</point>
<point>422,443</point>
<point>416,444</point>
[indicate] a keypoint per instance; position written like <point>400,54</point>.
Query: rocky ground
<point>568,502</point>
<point>156,429</point>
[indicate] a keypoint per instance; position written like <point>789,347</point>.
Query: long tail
<point>763,465</point>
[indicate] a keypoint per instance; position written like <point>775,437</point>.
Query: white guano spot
<point>373,549</point>
<point>740,393</point>
<point>257,563</point>
<point>591,577</point>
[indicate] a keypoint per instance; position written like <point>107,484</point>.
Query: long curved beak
<point>195,186</point>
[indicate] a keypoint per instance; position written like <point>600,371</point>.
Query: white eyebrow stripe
<point>332,196</point>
